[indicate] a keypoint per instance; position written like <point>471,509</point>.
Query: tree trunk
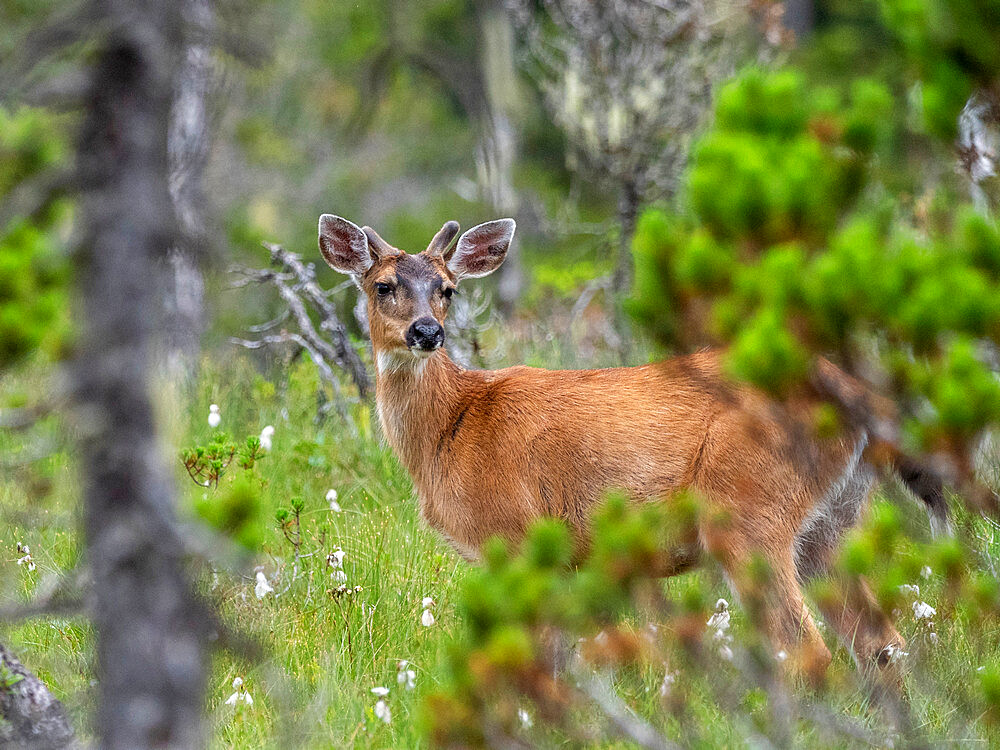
<point>621,283</point>
<point>799,17</point>
<point>498,140</point>
<point>187,148</point>
<point>150,635</point>
<point>30,717</point>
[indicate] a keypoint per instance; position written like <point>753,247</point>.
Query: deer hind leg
<point>848,605</point>
<point>772,596</point>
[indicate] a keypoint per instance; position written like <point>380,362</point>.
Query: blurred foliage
<point>550,638</point>
<point>793,245</point>
<point>33,270</point>
<point>953,47</point>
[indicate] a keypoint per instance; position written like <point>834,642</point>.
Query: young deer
<point>492,451</point>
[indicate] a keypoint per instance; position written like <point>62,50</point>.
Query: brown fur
<point>492,451</point>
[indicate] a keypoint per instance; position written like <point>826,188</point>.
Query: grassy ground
<point>325,652</point>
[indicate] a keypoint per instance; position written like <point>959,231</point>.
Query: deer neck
<point>414,398</point>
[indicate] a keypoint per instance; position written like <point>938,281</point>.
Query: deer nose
<point>426,334</point>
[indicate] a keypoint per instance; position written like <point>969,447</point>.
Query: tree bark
<point>150,635</point>
<point>629,200</point>
<point>800,17</point>
<point>187,149</point>
<point>498,137</point>
<point>30,717</point>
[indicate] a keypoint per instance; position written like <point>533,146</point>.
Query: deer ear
<point>441,243</point>
<point>343,245</point>
<point>481,250</point>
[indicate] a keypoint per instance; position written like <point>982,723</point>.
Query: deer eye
<point>382,289</point>
<point>447,292</point>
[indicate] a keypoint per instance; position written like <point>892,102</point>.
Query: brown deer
<point>492,451</point>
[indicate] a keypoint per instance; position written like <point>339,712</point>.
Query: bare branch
<point>621,716</point>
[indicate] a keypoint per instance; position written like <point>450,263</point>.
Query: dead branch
<point>345,355</point>
<point>624,719</point>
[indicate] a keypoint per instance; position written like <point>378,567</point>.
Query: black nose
<point>426,334</point>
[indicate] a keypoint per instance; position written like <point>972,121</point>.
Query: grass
<point>324,652</point>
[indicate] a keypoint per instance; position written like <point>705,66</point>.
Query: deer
<point>492,451</point>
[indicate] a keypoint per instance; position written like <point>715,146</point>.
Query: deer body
<point>492,451</point>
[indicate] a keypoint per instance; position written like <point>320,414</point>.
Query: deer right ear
<point>481,250</point>
<point>343,245</point>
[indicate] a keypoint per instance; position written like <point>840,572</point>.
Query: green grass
<point>323,653</point>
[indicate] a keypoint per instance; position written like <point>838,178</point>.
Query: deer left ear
<point>481,250</point>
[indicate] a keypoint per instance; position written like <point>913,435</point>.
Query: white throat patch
<point>399,360</point>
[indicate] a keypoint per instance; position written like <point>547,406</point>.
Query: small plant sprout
<point>206,464</point>
<point>427,617</point>
<point>25,560</point>
<point>265,437</point>
<point>214,418</point>
<point>335,561</point>
<point>405,676</point>
<point>240,693</point>
<point>382,710</point>
<point>263,588</point>
<point>331,498</point>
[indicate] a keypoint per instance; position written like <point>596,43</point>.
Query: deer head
<point>409,294</point>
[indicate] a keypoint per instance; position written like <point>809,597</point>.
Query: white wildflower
<point>525,718</point>
<point>781,655</point>
<point>214,418</point>
<point>933,638</point>
<point>923,611</point>
<point>669,678</point>
<point>335,561</point>
<point>382,711</point>
<point>265,437</point>
<point>719,621</point>
<point>895,653</point>
<point>911,590</point>
<point>240,694</point>
<point>26,560</point>
<point>331,498</point>
<point>406,676</point>
<point>381,692</point>
<point>427,617</point>
<point>926,572</point>
<point>263,588</point>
